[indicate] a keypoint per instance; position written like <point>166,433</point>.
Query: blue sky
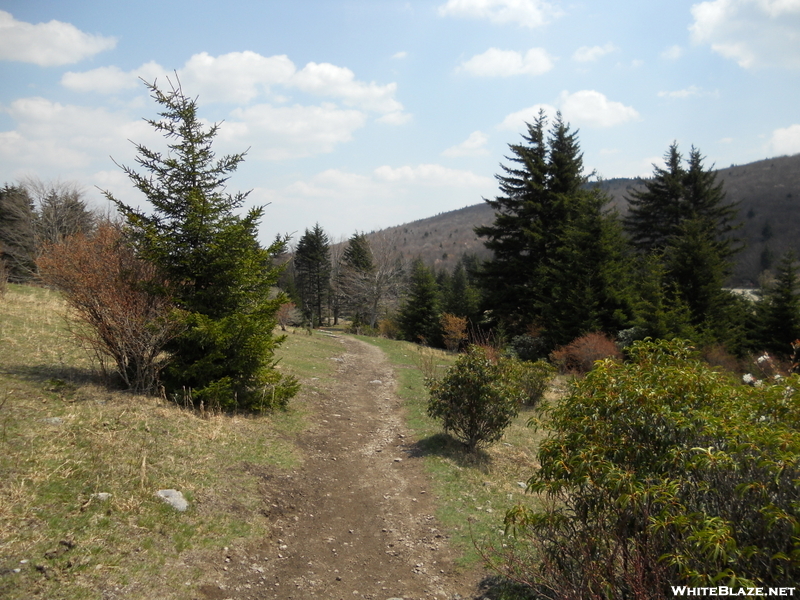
<point>361,115</point>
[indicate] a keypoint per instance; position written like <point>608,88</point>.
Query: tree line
<point>564,265</point>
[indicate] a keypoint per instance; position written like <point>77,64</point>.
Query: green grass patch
<point>65,439</point>
<point>473,492</point>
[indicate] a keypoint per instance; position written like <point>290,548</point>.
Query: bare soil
<point>356,520</point>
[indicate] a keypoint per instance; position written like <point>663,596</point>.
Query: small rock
<point>53,420</point>
<point>102,496</point>
<point>174,498</point>
<point>398,460</point>
<point>376,382</point>
<point>522,484</point>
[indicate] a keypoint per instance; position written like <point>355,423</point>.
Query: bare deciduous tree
<point>374,290</point>
<point>61,210</point>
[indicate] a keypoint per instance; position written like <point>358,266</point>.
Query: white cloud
<point>399,55</point>
<point>505,63</point>
<point>111,80</point>
<point>593,109</point>
<point>585,108</point>
<point>672,53</point>
<point>326,79</point>
<point>48,44</point>
<point>395,118</point>
<point>430,175</point>
<point>53,136</point>
<point>516,120</point>
<point>526,13</point>
<point>692,90</point>
<point>592,53</point>
<point>754,33</point>
<point>785,141</point>
<point>474,145</point>
<point>385,197</point>
<point>279,132</point>
<point>242,77</point>
<point>236,77</point>
<point>334,183</point>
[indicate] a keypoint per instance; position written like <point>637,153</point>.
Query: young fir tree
<point>218,275</point>
<point>557,262</point>
<point>419,314</point>
<point>312,263</point>
<point>778,312</point>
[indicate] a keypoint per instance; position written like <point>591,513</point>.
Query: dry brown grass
<point>64,438</point>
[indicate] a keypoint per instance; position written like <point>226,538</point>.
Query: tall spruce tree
<point>220,278</point>
<point>557,254</point>
<point>681,218</point>
<point>312,263</point>
<point>517,236</point>
<point>419,315</point>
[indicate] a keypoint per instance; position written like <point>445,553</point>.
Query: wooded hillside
<point>768,193</point>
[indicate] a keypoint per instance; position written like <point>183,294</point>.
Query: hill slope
<point>767,191</point>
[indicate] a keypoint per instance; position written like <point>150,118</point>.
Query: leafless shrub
<point>287,314</point>
<point>454,331</point>
<point>580,354</point>
<point>107,288</point>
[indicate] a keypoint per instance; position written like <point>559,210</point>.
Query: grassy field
<point>64,439</point>
<point>473,491</point>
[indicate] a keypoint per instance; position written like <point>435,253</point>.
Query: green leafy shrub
<point>528,347</point>
<point>474,400</point>
<point>531,377</point>
<point>661,472</point>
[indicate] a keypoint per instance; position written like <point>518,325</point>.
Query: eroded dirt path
<point>356,519</point>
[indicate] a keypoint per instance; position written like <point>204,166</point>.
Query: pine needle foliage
<point>219,276</point>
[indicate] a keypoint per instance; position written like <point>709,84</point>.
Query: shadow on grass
<point>446,446</point>
<point>55,378</point>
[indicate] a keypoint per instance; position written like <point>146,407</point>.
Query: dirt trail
<point>356,519</point>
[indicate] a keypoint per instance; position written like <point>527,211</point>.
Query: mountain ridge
<point>767,192</point>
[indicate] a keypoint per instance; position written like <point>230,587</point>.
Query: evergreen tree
<point>17,233</point>
<point>419,314</point>
<point>516,237</point>
<point>681,218</point>
<point>460,297</point>
<point>654,214</point>
<point>220,278</point>
<point>778,312</point>
<point>312,262</point>
<point>557,257</point>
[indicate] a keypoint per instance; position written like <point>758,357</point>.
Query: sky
<point>360,115</point>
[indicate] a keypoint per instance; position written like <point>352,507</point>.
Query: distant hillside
<point>768,193</point>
